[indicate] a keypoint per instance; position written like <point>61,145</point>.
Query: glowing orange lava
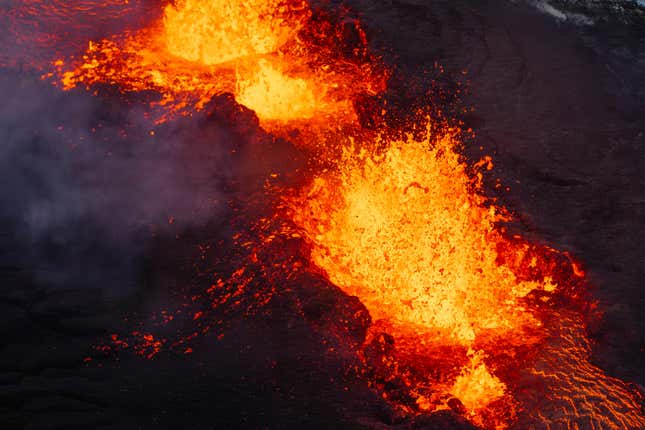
<point>405,232</point>
<point>402,231</point>
<point>218,31</point>
<point>255,49</point>
<point>405,229</point>
<point>481,323</point>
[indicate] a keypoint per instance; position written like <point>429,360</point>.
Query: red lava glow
<point>407,230</point>
<point>274,55</point>
<point>464,316</point>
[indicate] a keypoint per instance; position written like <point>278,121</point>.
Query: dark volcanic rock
<point>558,105</point>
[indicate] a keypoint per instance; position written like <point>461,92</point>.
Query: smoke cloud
<point>86,180</point>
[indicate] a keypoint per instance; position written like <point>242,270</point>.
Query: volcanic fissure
<point>373,196</point>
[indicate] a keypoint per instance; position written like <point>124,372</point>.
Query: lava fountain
<point>273,55</point>
<point>464,316</point>
<point>402,225</point>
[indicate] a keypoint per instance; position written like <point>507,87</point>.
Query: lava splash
<point>464,316</point>
<point>275,56</point>
<point>402,225</point>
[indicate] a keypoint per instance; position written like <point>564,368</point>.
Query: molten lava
<point>463,316</point>
<point>263,51</point>
<point>276,95</point>
<point>218,31</point>
<point>404,231</point>
<point>475,387</point>
<point>401,225</point>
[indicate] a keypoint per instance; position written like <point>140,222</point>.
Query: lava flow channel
<point>464,317</point>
